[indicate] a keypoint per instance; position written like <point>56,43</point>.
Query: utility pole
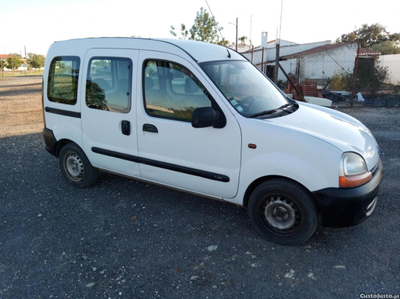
<point>26,61</point>
<point>236,46</point>
<point>251,24</point>
<point>236,34</point>
<point>278,41</point>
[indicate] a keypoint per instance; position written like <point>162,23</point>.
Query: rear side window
<point>63,79</point>
<point>109,84</point>
<point>172,91</point>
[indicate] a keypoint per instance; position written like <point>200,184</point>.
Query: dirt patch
<point>20,106</point>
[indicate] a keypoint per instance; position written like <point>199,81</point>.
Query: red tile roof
<point>368,52</point>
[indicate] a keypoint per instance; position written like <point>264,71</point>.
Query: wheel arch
<point>261,180</point>
<point>60,144</point>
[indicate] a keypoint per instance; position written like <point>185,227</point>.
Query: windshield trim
<point>201,64</point>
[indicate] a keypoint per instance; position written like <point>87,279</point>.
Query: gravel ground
<point>126,239</point>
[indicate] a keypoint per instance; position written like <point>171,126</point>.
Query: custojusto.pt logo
<point>379,296</point>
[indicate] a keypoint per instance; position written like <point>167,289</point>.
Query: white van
<point>201,118</point>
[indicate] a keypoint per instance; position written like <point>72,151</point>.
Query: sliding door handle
<point>150,128</point>
<point>126,127</point>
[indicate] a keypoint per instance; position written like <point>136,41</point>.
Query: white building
<point>315,61</point>
<point>320,63</point>
<point>392,62</point>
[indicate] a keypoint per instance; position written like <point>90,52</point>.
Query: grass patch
<point>21,73</point>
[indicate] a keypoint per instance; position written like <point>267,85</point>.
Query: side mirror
<point>205,117</point>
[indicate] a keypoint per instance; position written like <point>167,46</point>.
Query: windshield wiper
<point>272,110</point>
<point>264,113</point>
<point>286,105</point>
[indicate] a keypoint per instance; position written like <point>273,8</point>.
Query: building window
<point>172,91</point>
<point>109,84</point>
<point>63,80</point>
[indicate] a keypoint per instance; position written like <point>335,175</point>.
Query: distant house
<point>241,47</point>
<point>21,68</point>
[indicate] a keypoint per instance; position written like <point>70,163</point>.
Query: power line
<point>214,20</point>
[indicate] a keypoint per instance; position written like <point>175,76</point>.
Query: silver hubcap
<point>281,213</point>
<point>74,166</point>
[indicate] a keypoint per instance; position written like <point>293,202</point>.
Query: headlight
<point>353,164</point>
<point>353,171</point>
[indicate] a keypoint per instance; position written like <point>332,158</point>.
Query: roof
<point>3,56</point>
<point>368,52</point>
<point>315,50</point>
<point>290,44</point>
<point>283,41</point>
<point>199,51</point>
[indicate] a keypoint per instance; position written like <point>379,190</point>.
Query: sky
<point>36,24</point>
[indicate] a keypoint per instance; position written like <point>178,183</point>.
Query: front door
<point>109,110</point>
<point>171,151</point>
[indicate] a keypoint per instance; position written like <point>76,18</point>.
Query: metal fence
<point>353,73</point>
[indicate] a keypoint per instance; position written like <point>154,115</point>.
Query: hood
<point>339,129</point>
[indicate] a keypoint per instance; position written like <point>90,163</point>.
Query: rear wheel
<point>283,212</point>
<point>75,166</point>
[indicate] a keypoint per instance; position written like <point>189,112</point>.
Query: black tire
<point>76,168</point>
<point>283,212</point>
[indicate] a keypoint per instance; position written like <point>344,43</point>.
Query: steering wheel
<point>247,102</point>
<point>251,102</point>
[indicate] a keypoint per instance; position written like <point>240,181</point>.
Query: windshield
<point>246,89</point>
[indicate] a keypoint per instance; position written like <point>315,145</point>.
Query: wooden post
<point>276,62</point>
<point>252,53</point>
<point>262,60</point>
<point>353,92</point>
<point>291,82</point>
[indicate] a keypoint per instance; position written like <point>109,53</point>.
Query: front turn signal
<point>354,180</point>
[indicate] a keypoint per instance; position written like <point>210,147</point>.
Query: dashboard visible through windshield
<point>245,88</point>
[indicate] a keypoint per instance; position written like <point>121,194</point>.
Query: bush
<point>341,81</point>
<point>370,76</point>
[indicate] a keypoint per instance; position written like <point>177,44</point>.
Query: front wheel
<point>283,212</point>
<point>76,168</point>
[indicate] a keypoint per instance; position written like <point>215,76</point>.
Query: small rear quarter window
<point>63,79</point>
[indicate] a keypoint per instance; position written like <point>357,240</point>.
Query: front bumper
<point>349,206</point>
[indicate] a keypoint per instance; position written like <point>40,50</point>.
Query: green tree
<point>13,62</point>
<point>243,39</point>
<point>3,64</point>
<point>205,28</point>
<point>369,35</point>
<point>35,61</point>
<point>387,47</point>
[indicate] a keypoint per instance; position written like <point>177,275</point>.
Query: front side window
<point>63,80</point>
<point>246,89</point>
<point>172,91</point>
<point>109,84</point>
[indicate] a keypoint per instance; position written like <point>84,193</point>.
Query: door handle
<point>150,128</point>
<point>125,127</point>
